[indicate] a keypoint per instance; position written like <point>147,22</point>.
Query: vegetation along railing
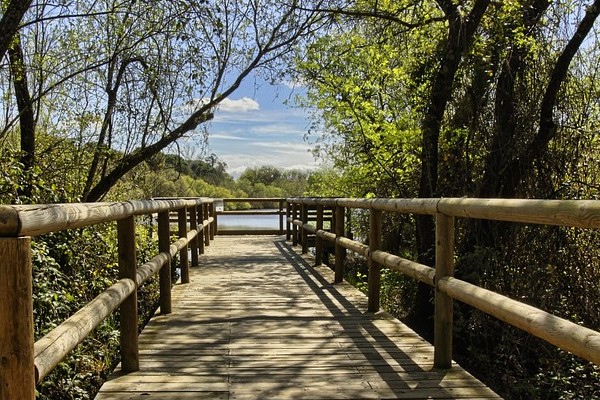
<point>564,334</point>
<point>24,363</point>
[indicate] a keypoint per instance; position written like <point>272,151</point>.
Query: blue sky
<point>254,127</point>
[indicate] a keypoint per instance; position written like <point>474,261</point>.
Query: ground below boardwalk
<point>259,322</point>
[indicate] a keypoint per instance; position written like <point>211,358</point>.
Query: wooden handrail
<point>573,213</point>
<point>567,335</point>
<point>25,363</point>
<point>33,220</point>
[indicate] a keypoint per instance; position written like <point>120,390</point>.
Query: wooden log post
<point>444,266</point>
<point>194,242</point>
<point>205,212</point>
<point>318,240</point>
<point>288,212</point>
<point>339,250</point>
<point>374,278</point>
<point>183,253</point>
<point>130,356</point>
<point>294,226</point>
<point>281,216</point>
<point>215,225</point>
<point>164,244</point>
<point>17,376</point>
<point>201,229</point>
<point>304,232</point>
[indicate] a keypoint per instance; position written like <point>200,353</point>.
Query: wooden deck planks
<point>258,322</point>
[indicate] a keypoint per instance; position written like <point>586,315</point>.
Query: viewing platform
<point>258,321</point>
<point>258,317</point>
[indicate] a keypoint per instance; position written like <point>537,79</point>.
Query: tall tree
<point>128,79</point>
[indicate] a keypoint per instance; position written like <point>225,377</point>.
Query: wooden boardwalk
<point>259,322</point>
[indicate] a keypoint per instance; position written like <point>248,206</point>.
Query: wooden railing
<point>24,363</point>
<point>567,335</point>
<point>280,211</point>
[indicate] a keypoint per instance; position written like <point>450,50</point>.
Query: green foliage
<point>269,181</point>
<point>369,118</point>
<point>13,178</point>
<point>70,268</point>
<point>370,83</point>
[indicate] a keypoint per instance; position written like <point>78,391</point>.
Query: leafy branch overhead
<point>139,76</point>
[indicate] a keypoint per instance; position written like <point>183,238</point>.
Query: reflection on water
<point>248,222</point>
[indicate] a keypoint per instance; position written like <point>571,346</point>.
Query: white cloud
<point>227,137</point>
<point>244,104</point>
<point>278,128</point>
<point>279,154</point>
<point>284,147</point>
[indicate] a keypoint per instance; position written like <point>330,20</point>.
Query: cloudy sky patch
<point>258,128</point>
<point>245,104</point>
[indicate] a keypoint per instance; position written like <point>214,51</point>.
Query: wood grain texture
<point>38,219</point>
<point>16,320</point>
<point>575,213</point>
<point>258,321</point>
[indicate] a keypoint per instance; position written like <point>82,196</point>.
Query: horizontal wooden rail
<point>573,213</point>
<point>567,335</point>
<point>25,363</point>
<point>52,348</point>
<point>413,269</point>
<point>252,200</point>
<point>33,220</point>
<point>248,212</point>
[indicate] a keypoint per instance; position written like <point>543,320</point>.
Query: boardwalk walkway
<point>258,322</point>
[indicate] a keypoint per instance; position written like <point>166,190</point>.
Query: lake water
<point>248,222</point>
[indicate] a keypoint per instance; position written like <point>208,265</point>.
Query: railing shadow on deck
<point>322,287</point>
<point>581,341</point>
<point>360,336</point>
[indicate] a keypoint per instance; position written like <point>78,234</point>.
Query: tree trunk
<point>9,24</point>
<point>131,160</point>
<point>504,142</point>
<point>460,37</point>
<point>522,164</point>
<point>25,107</point>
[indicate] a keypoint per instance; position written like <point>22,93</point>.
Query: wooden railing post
<point>444,266</point>
<point>374,279</point>
<point>206,216</point>
<point>318,240</point>
<point>17,376</point>
<point>304,232</point>
<point>294,227</point>
<point>281,216</point>
<point>183,253</point>
<point>194,241</point>
<point>130,358</point>
<point>201,229</point>
<point>339,250</point>
<point>164,239</point>
<point>288,212</point>
<point>214,226</point>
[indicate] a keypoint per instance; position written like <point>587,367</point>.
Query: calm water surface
<point>248,221</point>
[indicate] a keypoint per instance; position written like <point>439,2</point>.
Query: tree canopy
<point>133,76</point>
